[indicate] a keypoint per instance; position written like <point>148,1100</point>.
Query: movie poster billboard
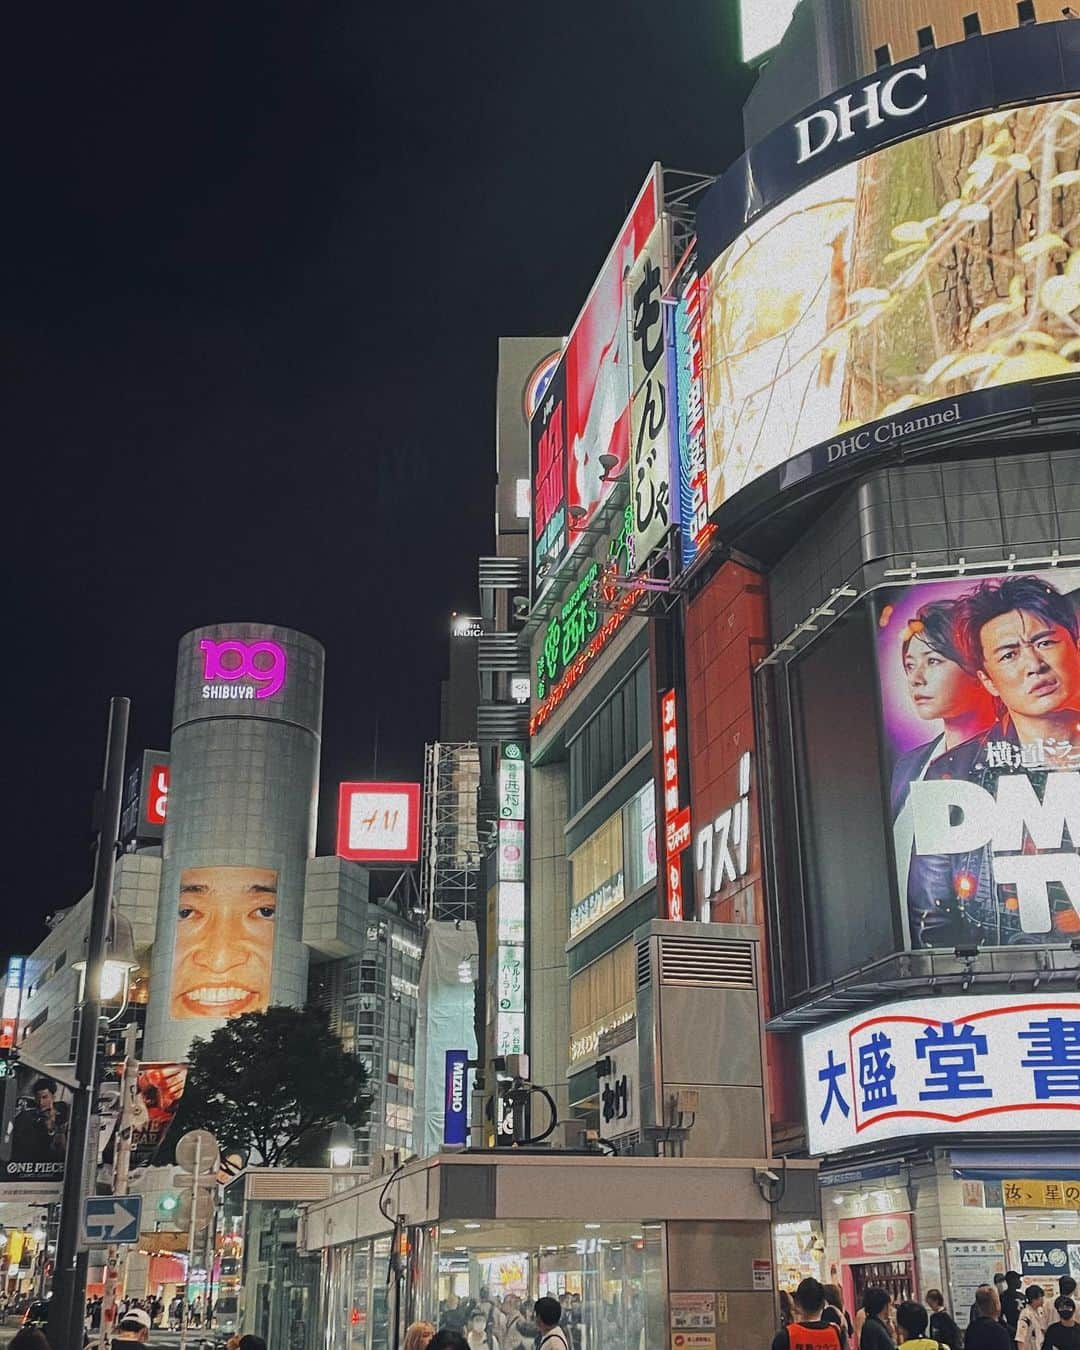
<point>224,950</point>
<point>152,1109</point>
<point>835,324</point>
<point>35,1139</point>
<point>980,701</point>
<point>547,433</point>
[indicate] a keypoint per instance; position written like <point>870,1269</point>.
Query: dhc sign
<point>880,101</point>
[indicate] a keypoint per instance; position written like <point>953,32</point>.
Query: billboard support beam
<point>69,1280</point>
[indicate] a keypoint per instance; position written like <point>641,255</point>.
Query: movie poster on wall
<point>980,699</point>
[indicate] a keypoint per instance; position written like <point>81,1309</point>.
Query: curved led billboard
<point>893,267</point>
<point>890,288</point>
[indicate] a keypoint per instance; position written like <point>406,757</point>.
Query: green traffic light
<point>168,1203</point>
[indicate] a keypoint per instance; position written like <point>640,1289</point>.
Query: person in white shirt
<point>1031,1325</point>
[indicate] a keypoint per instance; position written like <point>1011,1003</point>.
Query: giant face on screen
<point>980,699</point>
<point>877,302</point>
<point>224,951</point>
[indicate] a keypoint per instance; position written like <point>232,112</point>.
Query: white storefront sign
<point>940,1066</point>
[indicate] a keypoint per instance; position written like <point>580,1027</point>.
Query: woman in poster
<point>941,691</point>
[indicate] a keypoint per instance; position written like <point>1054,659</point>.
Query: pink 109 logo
<point>263,663</point>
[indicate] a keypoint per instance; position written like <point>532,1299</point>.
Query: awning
<point>1031,1164</point>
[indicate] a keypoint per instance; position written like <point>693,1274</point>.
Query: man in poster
<point>224,941</point>
<point>1010,876</point>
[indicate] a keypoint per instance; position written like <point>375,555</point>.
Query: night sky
<point>257,258</point>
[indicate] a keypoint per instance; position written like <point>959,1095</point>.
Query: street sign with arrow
<point>110,1219</point>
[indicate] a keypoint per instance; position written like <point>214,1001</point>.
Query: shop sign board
<point>379,822</point>
<point>650,403</point>
<point>875,1237</point>
<point>946,1065</point>
<point>1041,1194</point>
<point>1049,1259</point>
<point>695,1311</point>
<point>761,1273</point>
<point>455,1115</point>
<point>619,1097</point>
<point>693,1340</point>
<point>971,1264</point>
<point>512,783</point>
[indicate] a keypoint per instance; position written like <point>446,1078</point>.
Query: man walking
<point>810,1331</point>
<point>1030,1329</point>
<point>548,1314</point>
<point>986,1330</point>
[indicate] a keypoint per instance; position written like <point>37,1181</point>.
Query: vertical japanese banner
<point>510,959</point>
<point>970,1065</point>
<point>650,402</point>
<point>547,435</point>
<point>676,821</point>
<point>693,494</point>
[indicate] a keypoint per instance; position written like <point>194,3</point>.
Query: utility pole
<point>186,1311</point>
<point>69,1299</point>
<point>116,1262</point>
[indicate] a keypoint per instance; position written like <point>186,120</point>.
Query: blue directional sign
<point>110,1218</point>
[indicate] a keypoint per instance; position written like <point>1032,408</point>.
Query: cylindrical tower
<point>247,718</point>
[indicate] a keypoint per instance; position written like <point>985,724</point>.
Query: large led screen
<point>980,697</point>
<point>887,293</point>
<point>224,951</point>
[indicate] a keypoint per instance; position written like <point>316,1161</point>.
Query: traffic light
<point>168,1204</point>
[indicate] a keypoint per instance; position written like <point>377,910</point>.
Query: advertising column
<point>247,716</point>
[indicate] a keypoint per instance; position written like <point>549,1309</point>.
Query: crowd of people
<point>1004,1316</point>
<point>510,1323</point>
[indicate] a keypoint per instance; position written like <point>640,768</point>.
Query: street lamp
<point>119,963</point>
<point>342,1144</point>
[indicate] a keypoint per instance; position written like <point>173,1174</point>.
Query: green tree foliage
<point>273,1083</point>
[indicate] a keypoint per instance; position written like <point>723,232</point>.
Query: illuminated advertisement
<point>580,431</point>
<point>693,498</point>
<point>839,309</point>
<point>511,850</point>
<point>379,822</point>
<point>969,1065</point>
<point>597,376</point>
<point>35,1140</point>
<point>762,23</point>
<point>224,948</point>
<point>980,698</point>
<point>248,670</point>
<point>506,920</point>
<point>651,414</point>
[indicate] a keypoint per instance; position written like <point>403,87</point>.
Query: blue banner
<point>456,1115</point>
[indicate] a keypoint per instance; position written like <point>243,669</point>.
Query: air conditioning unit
<point>700,1031</point>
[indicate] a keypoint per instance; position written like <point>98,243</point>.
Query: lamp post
<point>69,1276</point>
<point>342,1144</point>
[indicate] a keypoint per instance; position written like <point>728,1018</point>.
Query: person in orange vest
<point>810,1331</point>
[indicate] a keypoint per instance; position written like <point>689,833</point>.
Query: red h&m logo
<point>379,822</point>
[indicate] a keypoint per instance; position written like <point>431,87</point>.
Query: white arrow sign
<point>111,1218</point>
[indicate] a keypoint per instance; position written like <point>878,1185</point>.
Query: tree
<point>273,1083</point>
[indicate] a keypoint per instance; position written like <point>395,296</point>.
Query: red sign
<point>379,822</point>
<point>875,1237</point>
<point>157,794</point>
<point>674,889</point>
<point>677,832</point>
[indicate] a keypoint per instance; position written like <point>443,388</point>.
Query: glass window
<point>596,875</point>
<point>639,835</point>
<point>610,739</point>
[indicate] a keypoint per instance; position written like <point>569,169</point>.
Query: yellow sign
<point>159,1243</point>
<point>1041,1194</point>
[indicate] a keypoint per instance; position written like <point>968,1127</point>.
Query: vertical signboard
<point>509,917</point>
<point>676,819</point>
<point>455,1115</point>
<point>693,494</point>
<point>547,433</point>
<point>650,403</point>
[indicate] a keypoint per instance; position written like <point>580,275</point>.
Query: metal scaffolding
<point>450,857</point>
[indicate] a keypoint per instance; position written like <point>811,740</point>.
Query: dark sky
<point>257,257</point>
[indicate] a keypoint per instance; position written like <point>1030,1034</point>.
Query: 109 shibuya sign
<point>944,1065</point>
<point>262,665</point>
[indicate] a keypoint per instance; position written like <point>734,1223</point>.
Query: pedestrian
<point>1012,1300</point>
<point>1064,1334</point>
<point>548,1313</point>
<point>452,1315</point>
<point>1066,1289</point>
<point>519,1333</point>
<point>942,1327</point>
<point>418,1335</point>
<point>834,1309</point>
<point>809,1330</point>
<point>1030,1329</point>
<point>986,1330</point>
<point>29,1338</point>
<point>446,1338</point>
<point>875,1333</point>
<point>133,1327</point>
<point>787,1308</point>
<point>476,1333</point>
<point>911,1323</point>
